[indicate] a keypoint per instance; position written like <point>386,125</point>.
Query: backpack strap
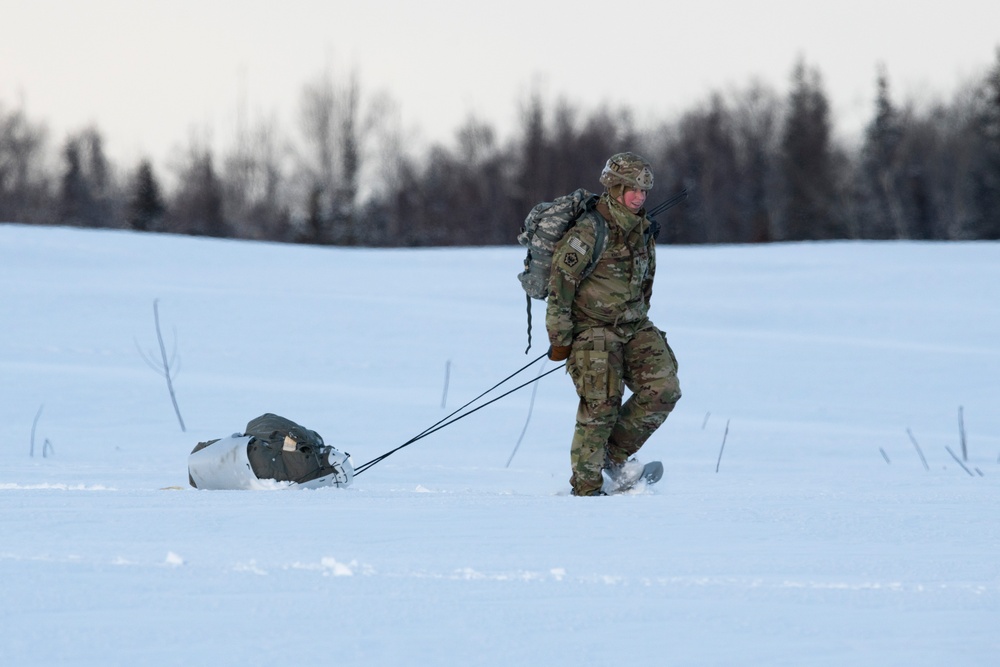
<point>528,297</point>
<point>600,235</point>
<point>600,243</point>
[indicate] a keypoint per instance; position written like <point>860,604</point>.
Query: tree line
<point>759,167</point>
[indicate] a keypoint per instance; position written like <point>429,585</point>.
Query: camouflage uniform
<point>614,345</point>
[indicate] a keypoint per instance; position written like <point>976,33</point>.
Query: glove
<point>559,352</point>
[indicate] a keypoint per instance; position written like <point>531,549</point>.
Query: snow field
<point>806,547</point>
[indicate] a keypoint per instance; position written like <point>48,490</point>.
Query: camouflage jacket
<point>618,290</point>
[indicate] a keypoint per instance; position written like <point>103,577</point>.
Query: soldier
<point>600,325</point>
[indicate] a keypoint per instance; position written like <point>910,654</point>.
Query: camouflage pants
<point>602,363</point>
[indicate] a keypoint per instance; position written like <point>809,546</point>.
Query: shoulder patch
<point>570,259</point>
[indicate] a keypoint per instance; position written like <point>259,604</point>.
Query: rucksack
<point>544,227</point>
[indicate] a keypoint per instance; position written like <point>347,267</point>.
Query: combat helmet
<point>629,170</point>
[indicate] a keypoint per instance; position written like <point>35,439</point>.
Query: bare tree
<point>531,184</point>
<point>164,366</point>
<point>703,156</point>
<point>756,115</point>
<point>196,206</point>
<point>485,207</point>
<point>24,180</point>
<point>346,193</point>
<point>338,128</point>
<point>373,155</point>
<point>558,150</point>
<point>383,173</point>
<point>254,184</point>
<point>603,133</point>
<point>319,159</point>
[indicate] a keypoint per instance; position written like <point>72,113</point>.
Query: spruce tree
<point>880,187</point>
<point>86,194</point>
<point>74,195</point>
<point>986,187</point>
<point>807,162</point>
<point>145,206</point>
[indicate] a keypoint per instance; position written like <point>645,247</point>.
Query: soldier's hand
<point>559,352</point>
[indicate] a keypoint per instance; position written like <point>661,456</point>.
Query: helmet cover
<point>627,169</point>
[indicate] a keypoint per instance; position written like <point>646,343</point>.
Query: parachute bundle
<point>273,452</point>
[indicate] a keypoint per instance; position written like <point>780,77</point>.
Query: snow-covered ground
<point>821,540</point>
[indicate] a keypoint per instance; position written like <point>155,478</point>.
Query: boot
<point>622,476</point>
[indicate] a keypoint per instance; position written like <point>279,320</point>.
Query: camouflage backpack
<point>544,227</point>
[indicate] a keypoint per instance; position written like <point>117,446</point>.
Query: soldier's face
<point>633,198</point>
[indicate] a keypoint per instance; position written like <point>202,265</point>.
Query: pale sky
<point>149,73</point>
